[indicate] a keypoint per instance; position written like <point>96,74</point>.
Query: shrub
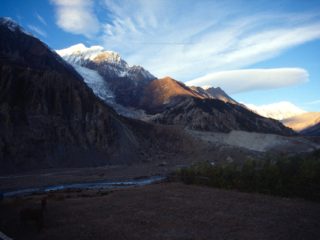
<point>297,176</point>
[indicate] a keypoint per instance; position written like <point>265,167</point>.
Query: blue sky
<point>260,52</point>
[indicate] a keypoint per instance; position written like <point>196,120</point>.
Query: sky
<point>260,52</point>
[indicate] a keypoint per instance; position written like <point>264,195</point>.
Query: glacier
<point>96,82</point>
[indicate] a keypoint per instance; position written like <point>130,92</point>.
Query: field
<point>164,211</point>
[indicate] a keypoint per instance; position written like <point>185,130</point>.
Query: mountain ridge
<point>303,122</point>
<point>151,99</point>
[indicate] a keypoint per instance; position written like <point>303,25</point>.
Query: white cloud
<point>41,19</point>
<point>188,39</point>
<point>244,80</point>
<point>278,110</point>
<point>37,30</point>
<point>77,16</point>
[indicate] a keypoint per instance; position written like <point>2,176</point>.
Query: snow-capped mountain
<point>79,54</point>
<point>12,25</point>
<point>134,92</point>
<point>278,111</point>
<point>9,23</point>
<point>110,61</point>
<point>122,81</point>
<point>101,89</point>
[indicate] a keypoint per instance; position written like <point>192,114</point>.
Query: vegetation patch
<point>297,176</point>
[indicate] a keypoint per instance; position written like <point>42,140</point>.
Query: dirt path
<point>167,211</point>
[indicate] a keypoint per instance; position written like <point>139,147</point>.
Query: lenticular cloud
<point>245,80</point>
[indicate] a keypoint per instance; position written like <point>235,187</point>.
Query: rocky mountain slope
<point>312,131</point>
<point>302,121</point>
<point>216,115</point>
<point>215,93</point>
<point>306,123</point>
<point>164,92</point>
<point>50,118</point>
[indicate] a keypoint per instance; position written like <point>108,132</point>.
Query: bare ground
<point>165,211</point>
<point>258,142</point>
<point>48,177</point>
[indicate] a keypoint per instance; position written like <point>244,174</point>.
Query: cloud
<point>41,19</point>
<point>37,30</point>
<point>188,39</point>
<point>236,81</point>
<point>278,110</point>
<point>77,17</point>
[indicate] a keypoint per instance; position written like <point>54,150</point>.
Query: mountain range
<point>164,100</point>
<point>68,109</point>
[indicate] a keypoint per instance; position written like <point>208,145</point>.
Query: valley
<point>92,147</point>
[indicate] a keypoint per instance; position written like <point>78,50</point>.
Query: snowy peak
<point>9,23</point>
<point>79,53</point>
<point>106,62</point>
<point>278,111</point>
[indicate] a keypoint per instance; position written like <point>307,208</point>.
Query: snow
<point>12,25</point>
<point>109,64</point>
<point>278,111</point>
<point>79,53</point>
<point>101,89</point>
<point>95,81</point>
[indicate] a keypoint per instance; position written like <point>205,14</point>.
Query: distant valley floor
<point>236,146</point>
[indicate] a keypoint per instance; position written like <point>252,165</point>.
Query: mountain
<point>278,111</point>
<point>134,92</point>
<point>216,93</point>
<point>130,87</point>
<point>125,82</point>
<point>216,115</point>
<point>303,122</point>
<point>312,131</point>
<point>50,118</point>
<point>81,55</point>
<point>173,103</point>
<point>164,92</point>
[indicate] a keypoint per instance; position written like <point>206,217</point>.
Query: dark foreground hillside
<point>49,117</point>
<point>165,211</point>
